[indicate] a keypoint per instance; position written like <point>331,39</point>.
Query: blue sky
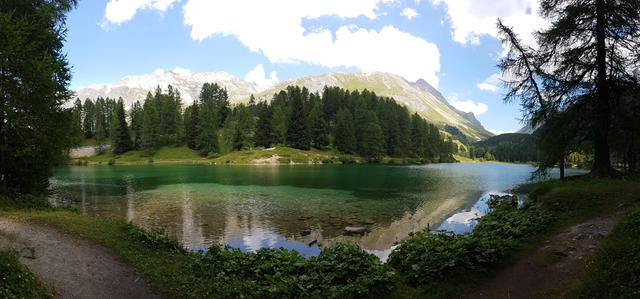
<point>450,43</point>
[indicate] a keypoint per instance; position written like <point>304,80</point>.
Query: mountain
<point>528,129</point>
<point>135,88</point>
<point>418,96</point>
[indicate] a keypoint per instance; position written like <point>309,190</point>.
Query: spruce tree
<point>150,133</point>
<point>207,141</point>
<point>191,124</point>
<point>297,127</point>
<point>137,115</point>
<point>372,138</point>
<point>279,125</point>
<point>344,132</point>
<point>89,118</point>
<point>121,138</point>
<point>264,135</point>
<point>318,127</point>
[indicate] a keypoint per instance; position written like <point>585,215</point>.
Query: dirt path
<point>551,269</point>
<point>70,266</point>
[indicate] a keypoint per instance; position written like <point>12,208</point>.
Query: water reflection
<point>254,207</point>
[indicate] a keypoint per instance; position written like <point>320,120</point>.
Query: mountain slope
<point>418,96</point>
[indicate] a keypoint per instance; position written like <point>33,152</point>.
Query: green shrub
<point>339,271</point>
<point>150,161</point>
<point>155,239</point>
<point>112,162</point>
<point>346,159</point>
<point>213,155</point>
<point>428,258</point>
<point>25,201</point>
<point>16,281</point>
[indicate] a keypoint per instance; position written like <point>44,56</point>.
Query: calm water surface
<point>250,207</point>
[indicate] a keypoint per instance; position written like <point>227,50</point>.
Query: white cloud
<point>410,13</point>
<point>470,106</point>
<point>121,11</point>
<point>496,132</point>
<point>275,30</point>
<point>471,19</point>
<point>491,83</point>
<point>258,76</point>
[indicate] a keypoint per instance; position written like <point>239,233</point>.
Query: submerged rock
<point>355,230</point>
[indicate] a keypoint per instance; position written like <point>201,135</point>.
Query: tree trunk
<point>601,159</point>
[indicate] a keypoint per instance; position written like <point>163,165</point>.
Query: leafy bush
<point>155,239</point>
<point>112,162</point>
<point>339,271</point>
<point>25,201</point>
<point>345,159</point>
<point>16,281</point>
<point>428,258</point>
<point>213,155</point>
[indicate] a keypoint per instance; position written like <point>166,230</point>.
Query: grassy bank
<point>615,272</point>
<point>16,281</point>
<point>426,265</point>
<point>273,156</point>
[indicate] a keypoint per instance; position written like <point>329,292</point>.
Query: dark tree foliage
<point>344,132</point>
<point>121,139</point>
<point>150,135</point>
<point>77,135</point>
<point>264,135</point>
<point>34,78</point>
<point>88,118</point>
<point>590,46</point>
<point>137,116</point>
<point>191,122</point>
<point>318,127</point>
<point>297,127</point>
<point>510,147</point>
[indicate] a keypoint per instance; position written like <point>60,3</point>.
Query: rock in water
<point>349,231</point>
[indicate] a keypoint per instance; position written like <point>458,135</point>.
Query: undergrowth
<point>16,281</point>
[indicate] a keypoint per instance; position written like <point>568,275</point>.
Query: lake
<point>250,207</point>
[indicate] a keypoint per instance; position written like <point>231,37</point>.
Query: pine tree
<point>344,132</point>
<point>121,138</point>
<point>76,127</point>
<point>372,138</point>
<point>191,124</point>
<point>318,127</point>
<point>207,141</point>
<point>264,135</point>
<point>279,125</point>
<point>297,129</point>
<point>137,116</point>
<point>589,46</point>
<point>149,139</point>
<point>89,118</point>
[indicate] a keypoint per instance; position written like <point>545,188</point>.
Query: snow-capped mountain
<point>135,88</point>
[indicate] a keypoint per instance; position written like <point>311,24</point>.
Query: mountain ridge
<point>418,96</point>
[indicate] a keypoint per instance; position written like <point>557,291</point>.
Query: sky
<point>452,44</point>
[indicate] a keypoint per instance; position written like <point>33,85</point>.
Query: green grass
<point>286,155</point>
<point>615,273</point>
<point>168,155</point>
<point>16,281</point>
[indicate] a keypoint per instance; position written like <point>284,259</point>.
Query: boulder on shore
<point>349,231</point>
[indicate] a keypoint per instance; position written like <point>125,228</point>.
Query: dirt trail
<point>552,268</point>
<point>70,266</point>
